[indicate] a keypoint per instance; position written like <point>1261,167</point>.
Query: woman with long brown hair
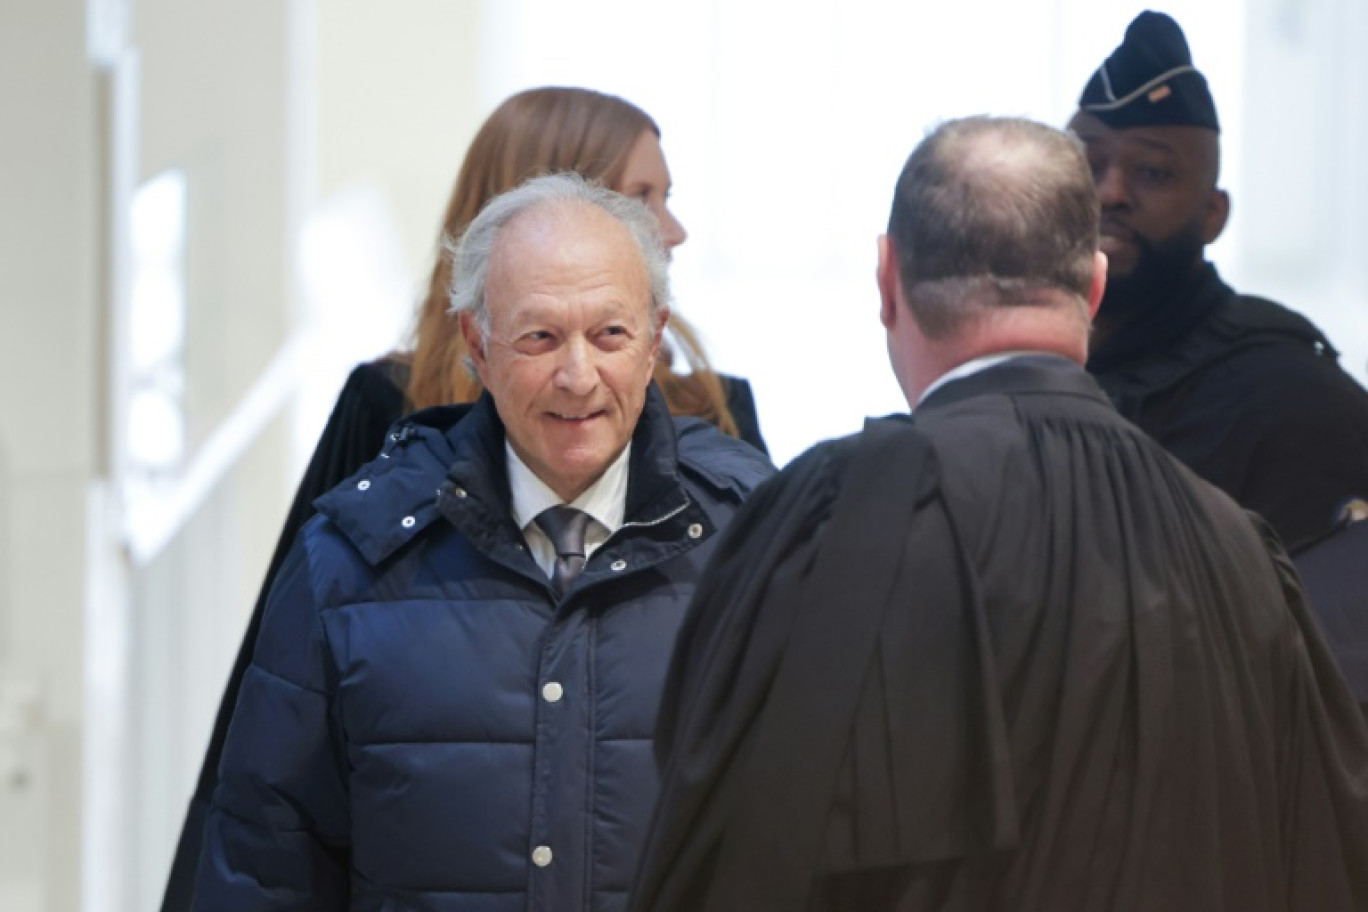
<point>538,131</point>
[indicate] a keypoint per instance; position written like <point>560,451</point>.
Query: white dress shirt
<point>605,501</point>
<point>969,368</point>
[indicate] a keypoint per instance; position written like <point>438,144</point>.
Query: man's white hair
<point>471,252</point>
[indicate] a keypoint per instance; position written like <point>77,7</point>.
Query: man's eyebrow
<point>1153,143</point>
<point>1088,136</point>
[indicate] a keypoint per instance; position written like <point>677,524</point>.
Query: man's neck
<point>969,368</point>
<point>1006,331</point>
<point>604,499</point>
<point>1143,315</point>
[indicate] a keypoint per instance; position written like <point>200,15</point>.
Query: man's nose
<point>576,372</point>
<point>1113,190</point>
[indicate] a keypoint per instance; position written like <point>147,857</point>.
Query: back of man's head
<point>993,212</point>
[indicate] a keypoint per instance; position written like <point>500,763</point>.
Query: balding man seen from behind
<point>1005,652</point>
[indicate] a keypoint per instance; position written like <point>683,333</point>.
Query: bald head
<point>551,198</point>
<point>990,213</point>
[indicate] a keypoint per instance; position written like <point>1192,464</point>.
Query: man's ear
<point>662,320</point>
<point>1216,215</point>
<point>1098,287</point>
<point>474,340</point>
<point>890,282</point>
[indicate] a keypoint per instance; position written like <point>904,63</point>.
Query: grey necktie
<point>565,527</point>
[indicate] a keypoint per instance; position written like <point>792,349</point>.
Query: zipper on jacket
<point>655,522</point>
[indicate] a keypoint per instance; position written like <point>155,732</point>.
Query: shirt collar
<point>605,500</point>
<point>969,368</point>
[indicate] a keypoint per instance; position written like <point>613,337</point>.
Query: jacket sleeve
<point>277,835</point>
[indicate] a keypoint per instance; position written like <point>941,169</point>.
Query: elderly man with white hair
<point>453,697</point>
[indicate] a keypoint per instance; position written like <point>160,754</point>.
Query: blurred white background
<point>209,212</point>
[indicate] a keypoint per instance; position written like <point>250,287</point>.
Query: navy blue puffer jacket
<point>424,725</point>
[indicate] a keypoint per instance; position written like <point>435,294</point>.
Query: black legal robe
<point>1005,655</point>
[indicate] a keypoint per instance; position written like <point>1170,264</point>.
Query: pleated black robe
<point>1005,655</point>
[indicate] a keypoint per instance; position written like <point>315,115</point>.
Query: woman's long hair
<point>542,131</point>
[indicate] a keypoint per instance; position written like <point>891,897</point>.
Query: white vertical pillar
<point>107,853</point>
<point>49,339</point>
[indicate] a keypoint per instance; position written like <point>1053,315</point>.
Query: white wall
<point>395,107</point>
<point>1305,142</point>
<point>48,423</point>
<point>49,361</point>
<point>786,126</point>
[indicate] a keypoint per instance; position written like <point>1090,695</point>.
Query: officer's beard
<point>1150,295</point>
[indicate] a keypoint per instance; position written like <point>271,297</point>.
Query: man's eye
<point>1153,174</point>
<point>614,336</point>
<point>535,341</point>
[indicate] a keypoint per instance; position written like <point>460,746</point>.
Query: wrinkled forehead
<point>559,217</point>
<point>572,247</point>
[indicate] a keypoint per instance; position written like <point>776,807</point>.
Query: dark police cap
<point>1149,81</point>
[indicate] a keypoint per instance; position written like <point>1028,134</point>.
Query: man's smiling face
<point>571,342</point>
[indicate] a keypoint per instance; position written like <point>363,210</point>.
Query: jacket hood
<point>394,496</point>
